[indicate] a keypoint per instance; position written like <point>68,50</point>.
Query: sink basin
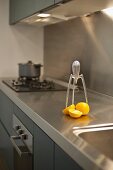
<point>100,138</point>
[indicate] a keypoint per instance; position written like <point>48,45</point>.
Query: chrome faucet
<point>72,84</point>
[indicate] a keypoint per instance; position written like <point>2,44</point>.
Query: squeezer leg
<point>73,93</point>
<point>68,90</point>
<point>73,88</point>
<point>84,87</point>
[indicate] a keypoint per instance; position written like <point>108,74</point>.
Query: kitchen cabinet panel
<point>57,1</point>
<point>62,1</point>
<point>64,161</point>
<point>24,119</point>
<point>42,4</point>
<point>20,9</point>
<point>43,150</point>
<point>6,149</point>
<point>23,8</point>
<point>6,112</point>
<point>11,12</point>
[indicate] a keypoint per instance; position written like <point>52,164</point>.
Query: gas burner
<point>28,79</point>
<point>42,84</point>
<point>32,85</point>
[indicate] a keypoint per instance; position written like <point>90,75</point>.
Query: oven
<point>22,143</point>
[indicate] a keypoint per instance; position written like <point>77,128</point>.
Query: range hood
<point>68,10</point>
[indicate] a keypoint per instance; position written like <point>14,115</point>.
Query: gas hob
<point>32,85</point>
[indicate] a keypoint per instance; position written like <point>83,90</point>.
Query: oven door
<point>22,156</point>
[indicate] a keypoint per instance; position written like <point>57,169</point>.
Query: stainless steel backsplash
<point>87,39</point>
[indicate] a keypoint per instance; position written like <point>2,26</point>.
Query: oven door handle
<point>20,152</point>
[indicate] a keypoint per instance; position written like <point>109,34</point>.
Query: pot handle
<point>37,65</point>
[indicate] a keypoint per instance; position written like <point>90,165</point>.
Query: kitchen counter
<point>45,110</point>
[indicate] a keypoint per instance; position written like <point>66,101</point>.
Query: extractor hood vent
<point>68,10</point>
<point>42,21</point>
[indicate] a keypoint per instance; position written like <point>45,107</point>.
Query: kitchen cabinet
<point>43,150</point>
<point>42,4</point>
<point>57,1</point>
<point>6,149</point>
<point>63,161</point>
<point>11,12</point>
<point>46,153</point>
<point>62,1</point>
<point>6,112</point>
<point>20,9</point>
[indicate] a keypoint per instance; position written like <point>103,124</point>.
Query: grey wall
<point>18,43</point>
<point>87,39</point>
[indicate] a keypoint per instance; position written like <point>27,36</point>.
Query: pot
<point>29,70</point>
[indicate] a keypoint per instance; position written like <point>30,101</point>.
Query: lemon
<point>66,110</point>
<point>75,113</point>
<point>83,107</point>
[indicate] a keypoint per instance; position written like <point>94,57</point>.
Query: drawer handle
<point>20,152</point>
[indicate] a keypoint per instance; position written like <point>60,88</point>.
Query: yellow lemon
<point>66,110</point>
<point>83,107</point>
<point>75,113</point>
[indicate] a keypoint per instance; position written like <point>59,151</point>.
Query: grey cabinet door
<point>57,1</point>
<point>43,150</point>
<point>11,12</point>
<point>6,112</point>
<point>42,4</point>
<point>63,161</point>
<point>22,8</point>
<point>6,149</point>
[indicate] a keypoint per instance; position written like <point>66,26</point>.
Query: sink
<point>98,136</point>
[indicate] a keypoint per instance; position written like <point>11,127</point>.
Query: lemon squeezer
<point>73,80</point>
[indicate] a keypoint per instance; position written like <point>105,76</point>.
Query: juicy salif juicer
<point>73,82</point>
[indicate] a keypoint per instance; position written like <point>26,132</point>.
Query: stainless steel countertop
<point>45,109</point>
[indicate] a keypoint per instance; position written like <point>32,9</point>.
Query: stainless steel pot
<point>29,70</point>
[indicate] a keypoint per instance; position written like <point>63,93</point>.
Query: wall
<point>18,43</point>
<point>87,39</point>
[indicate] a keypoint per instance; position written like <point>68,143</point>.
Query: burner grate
<point>32,85</point>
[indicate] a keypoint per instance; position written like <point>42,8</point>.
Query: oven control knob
<point>20,131</point>
<point>13,81</point>
<point>24,136</point>
<point>17,127</point>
